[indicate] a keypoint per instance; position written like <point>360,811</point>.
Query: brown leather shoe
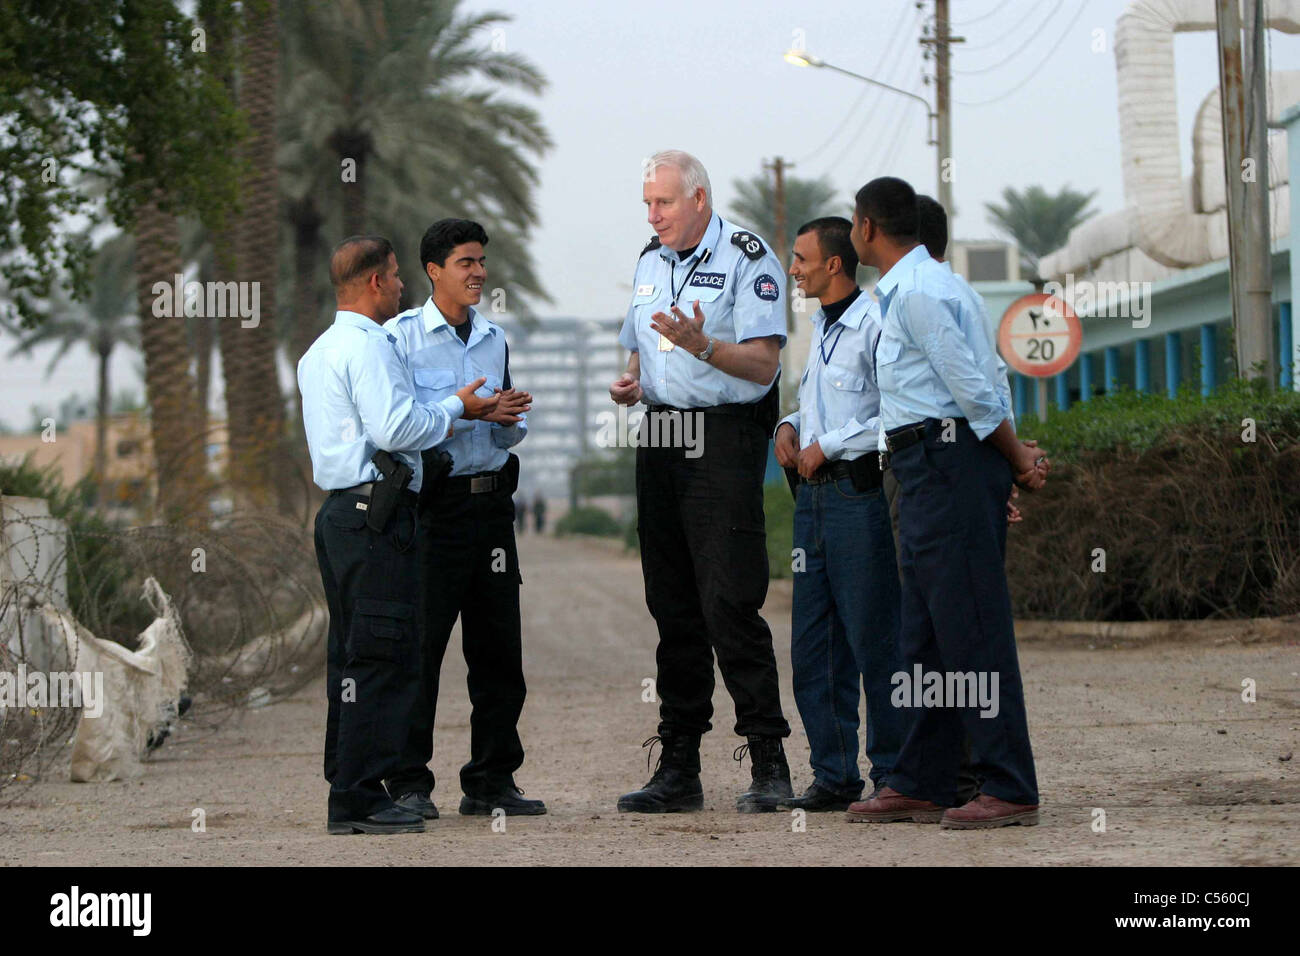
<point>890,806</point>
<point>985,812</point>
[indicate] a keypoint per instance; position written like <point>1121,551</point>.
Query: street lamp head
<point>801,58</point>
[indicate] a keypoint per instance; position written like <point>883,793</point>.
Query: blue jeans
<point>845,631</point>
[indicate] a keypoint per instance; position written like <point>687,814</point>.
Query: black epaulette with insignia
<point>749,244</point>
<point>654,243</point>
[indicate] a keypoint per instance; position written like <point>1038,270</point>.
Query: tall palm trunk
<point>306,220</point>
<point>353,145</point>
<point>169,387</point>
<point>254,403</point>
<point>104,350</point>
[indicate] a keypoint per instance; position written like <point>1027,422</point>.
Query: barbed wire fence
<point>244,589</point>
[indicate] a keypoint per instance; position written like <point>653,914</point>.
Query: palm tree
<point>387,89</point>
<point>254,403</point>
<point>103,322</point>
<point>1039,221</point>
<point>169,386</point>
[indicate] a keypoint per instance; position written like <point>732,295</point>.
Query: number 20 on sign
<point>1040,335</point>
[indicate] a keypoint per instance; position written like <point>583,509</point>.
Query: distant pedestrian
<point>539,514</point>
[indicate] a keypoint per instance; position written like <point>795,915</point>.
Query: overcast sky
<point>1033,104</point>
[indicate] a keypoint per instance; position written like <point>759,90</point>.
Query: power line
<point>1034,72</point>
<point>1021,44</point>
<point>890,47</point>
<point>893,76</point>
<point>982,16</point>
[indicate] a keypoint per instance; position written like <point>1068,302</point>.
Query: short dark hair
<point>444,236</point>
<point>833,234</point>
<point>932,226</point>
<point>358,257</point>
<point>890,203</point>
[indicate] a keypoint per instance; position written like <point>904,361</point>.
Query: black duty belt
<point>478,484</point>
<point>364,490</point>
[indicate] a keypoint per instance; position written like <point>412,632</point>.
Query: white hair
<point>694,175</point>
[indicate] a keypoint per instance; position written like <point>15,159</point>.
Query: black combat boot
<point>771,775</point>
<point>675,786</point>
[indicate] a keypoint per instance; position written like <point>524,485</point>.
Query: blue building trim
<point>1173,363</point>
<point>1209,358</point>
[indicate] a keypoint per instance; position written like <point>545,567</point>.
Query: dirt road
<point>1157,737</point>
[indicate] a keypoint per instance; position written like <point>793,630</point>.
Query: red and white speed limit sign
<point>1040,335</point>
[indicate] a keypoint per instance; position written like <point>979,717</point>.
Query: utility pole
<point>942,42</point>
<point>1256,347</point>
<point>778,167</point>
<point>1246,175</point>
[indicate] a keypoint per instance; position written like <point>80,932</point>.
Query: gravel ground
<point>1154,734</point>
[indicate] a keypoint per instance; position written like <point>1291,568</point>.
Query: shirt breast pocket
<point>845,379</point>
<point>888,351</point>
<point>434,384</point>
<point>714,302</point>
<point>491,385</point>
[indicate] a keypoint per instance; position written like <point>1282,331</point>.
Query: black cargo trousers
<point>469,568</point>
<point>373,674</point>
<point>704,559</point>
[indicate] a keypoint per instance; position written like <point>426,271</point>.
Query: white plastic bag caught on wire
<point>140,688</point>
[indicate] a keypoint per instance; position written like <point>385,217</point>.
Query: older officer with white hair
<point>705,330</point>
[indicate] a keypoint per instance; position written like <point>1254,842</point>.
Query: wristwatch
<point>708,351</point>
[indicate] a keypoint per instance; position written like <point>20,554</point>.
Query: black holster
<point>385,494</point>
<point>437,466</point>
<point>864,472</point>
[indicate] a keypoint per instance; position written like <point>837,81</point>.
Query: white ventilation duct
<point>1170,222</point>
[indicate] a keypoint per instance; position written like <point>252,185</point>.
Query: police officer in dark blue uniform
<point>365,431</point>
<point>952,445</point>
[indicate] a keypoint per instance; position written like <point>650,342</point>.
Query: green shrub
<point>588,520</point>
<point>1191,518</point>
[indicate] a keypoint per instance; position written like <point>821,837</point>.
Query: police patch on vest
<point>765,288</point>
<point>710,280</point>
<point>749,244</point>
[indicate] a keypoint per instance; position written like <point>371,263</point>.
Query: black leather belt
<point>831,471</point>
<point>905,436</point>
<point>738,409</point>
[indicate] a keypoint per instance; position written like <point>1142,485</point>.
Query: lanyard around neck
<point>685,282</point>
<point>821,346</point>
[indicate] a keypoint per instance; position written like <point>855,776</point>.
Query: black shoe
<point>817,799</point>
<point>392,820</point>
<point>418,803</point>
<point>675,786</point>
<point>510,799</point>
<point>771,775</point>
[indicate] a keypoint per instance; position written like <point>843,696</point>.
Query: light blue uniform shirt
<point>935,359</point>
<point>839,403</point>
<point>975,303</point>
<point>357,397</point>
<point>442,363</point>
<point>741,290</point>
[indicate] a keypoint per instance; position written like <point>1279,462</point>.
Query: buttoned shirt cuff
<point>455,408</point>
<point>832,445</point>
<point>507,436</point>
<point>792,420</point>
<point>988,424</point>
